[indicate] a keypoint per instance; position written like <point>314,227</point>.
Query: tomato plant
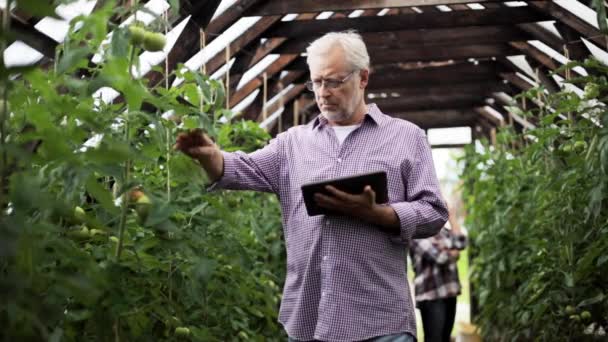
<point>106,233</point>
<point>538,213</point>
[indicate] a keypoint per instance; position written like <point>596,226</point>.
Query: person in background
<point>436,283</point>
<point>345,276</point>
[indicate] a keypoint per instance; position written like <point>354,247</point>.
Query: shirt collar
<point>373,114</point>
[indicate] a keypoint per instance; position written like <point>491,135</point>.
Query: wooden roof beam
<point>539,56</point>
<point>480,87</point>
<point>446,118</point>
<point>298,6</point>
<point>274,68</point>
<point>563,15</point>
<point>430,54</point>
<point>489,17</point>
<point>475,35</point>
<point>409,103</point>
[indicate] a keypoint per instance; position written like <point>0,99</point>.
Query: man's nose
<point>323,90</point>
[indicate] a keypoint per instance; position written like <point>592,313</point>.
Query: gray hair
<point>350,41</point>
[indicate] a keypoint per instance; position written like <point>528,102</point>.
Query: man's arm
<point>423,213</point>
<point>201,148</point>
<point>258,171</point>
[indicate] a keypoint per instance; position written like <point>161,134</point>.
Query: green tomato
<point>592,91</point>
<point>580,146</point>
<point>586,315</point>
<point>137,34</point>
<point>182,331</point>
<point>79,214</point>
<point>81,234</point>
<point>566,148</point>
<point>94,232</point>
<point>154,41</point>
<point>142,207</point>
<point>570,309</point>
<point>143,199</point>
<point>575,318</point>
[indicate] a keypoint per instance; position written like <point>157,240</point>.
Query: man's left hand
<point>362,206</point>
<point>348,204</point>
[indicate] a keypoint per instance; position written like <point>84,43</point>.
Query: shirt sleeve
<point>423,213</point>
<point>425,249</point>
<point>258,171</point>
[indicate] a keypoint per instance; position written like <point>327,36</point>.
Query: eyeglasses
<point>329,83</point>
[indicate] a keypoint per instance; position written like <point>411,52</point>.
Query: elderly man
<point>346,274</point>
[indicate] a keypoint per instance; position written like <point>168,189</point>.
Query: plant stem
<point>125,194</point>
<point>4,110</point>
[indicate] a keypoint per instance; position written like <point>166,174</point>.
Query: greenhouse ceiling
<point>437,63</point>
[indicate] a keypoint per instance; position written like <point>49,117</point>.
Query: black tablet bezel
<point>352,184</point>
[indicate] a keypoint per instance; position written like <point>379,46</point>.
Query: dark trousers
<point>438,318</point>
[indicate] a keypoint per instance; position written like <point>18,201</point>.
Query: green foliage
<point>80,257</point>
<point>537,205</point>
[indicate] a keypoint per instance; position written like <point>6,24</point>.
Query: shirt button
<point>325,258</point>
<point>339,160</point>
<point>323,294</point>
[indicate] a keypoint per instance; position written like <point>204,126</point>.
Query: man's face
<point>337,100</point>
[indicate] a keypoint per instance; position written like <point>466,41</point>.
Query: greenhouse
<point>126,127</point>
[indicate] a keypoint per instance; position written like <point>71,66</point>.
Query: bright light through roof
<point>449,136</point>
<point>257,69</point>
<point>324,15</point>
<point>76,8</point>
<point>355,14</point>
<point>222,7</point>
<point>522,63</point>
<point>476,6</point>
<point>444,8</point>
<point>20,54</point>
<point>600,54</point>
<point>580,10</point>
<point>218,45</point>
<point>555,55</point>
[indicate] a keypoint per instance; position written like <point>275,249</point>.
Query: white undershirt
<point>343,131</point>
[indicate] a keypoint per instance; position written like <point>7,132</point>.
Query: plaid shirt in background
<point>436,272</point>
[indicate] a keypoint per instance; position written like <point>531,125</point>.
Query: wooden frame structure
<point>437,63</point>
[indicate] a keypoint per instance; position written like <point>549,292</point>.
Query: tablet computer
<point>351,184</point>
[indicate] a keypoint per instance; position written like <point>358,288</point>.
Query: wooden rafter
<point>439,118</point>
<point>502,16</point>
<point>563,15</point>
<point>477,35</point>
<point>298,6</point>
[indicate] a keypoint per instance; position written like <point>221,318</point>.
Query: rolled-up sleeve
<point>258,171</point>
<point>423,213</point>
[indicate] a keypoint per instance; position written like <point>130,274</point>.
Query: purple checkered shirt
<point>346,279</point>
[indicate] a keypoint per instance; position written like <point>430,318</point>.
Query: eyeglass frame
<point>334,84</point>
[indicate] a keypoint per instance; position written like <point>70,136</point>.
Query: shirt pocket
<point>395,181</point>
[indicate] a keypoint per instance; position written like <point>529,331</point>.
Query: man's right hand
<point>200,147</point>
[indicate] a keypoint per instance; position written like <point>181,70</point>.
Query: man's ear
<point>364,74</point>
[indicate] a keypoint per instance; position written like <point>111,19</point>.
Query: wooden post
<point>264,95</point>
<point>228,76</point>
<point>296,111</point>
<point>202,45</point>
